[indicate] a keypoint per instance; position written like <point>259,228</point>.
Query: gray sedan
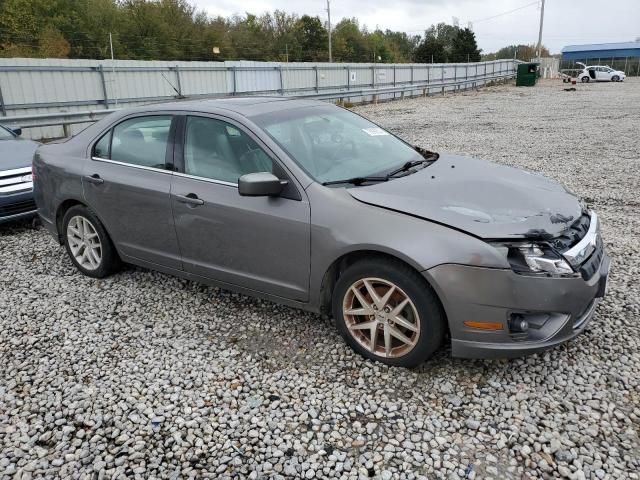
<point>313,206</point>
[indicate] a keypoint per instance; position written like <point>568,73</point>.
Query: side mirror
<point>260,184</point>
<point>17,131</point>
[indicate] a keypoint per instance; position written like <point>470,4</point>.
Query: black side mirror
<point>260,184</point>
<point>17,131</point>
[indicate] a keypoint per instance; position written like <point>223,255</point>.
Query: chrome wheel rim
<point>84,242</point>
<point>381,317</point>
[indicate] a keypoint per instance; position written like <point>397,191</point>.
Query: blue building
<point>625,55</point>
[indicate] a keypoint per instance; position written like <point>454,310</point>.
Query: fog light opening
<point>518,324</point>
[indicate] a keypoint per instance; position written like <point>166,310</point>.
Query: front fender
<point>341,225</point>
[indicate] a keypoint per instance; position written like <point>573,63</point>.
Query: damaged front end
<point>576,252</point>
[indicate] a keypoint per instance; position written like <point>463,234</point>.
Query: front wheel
<point>585,79</point>
<point>615,78</point>
<point>88,244</point>
<point>387,312</point>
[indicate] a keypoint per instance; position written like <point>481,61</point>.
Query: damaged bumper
<point>555,309</point>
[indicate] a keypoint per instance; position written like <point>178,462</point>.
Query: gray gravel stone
<point>145,374</point>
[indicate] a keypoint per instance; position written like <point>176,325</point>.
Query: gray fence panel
<point>32,87</point>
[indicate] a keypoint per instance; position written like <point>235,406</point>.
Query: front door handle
<point>190,199</point>
<point>95,179</point>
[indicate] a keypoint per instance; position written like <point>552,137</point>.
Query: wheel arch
<point>341,263</point>
<point>62,209</point>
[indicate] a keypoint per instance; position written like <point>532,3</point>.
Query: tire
<point>422,312</point>
<point>585,79</point>
<point>615,78</point>
<point>81,228</point>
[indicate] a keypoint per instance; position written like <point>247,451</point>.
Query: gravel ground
<point>143,375</point>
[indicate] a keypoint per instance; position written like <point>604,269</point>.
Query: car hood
<point>16,153</point>
<point>478,197</point>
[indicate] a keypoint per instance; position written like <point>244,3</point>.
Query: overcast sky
<point>566,22</point>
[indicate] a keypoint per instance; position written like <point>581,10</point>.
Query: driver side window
<point>218,150</point>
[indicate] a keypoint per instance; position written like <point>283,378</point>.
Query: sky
<point>497,23</point>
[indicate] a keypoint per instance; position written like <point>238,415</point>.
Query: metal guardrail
<point>65,119</point>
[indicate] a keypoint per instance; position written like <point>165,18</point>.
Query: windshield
<point>331,143</point>
<point>5,134</point>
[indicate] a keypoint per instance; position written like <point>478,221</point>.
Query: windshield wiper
<point>357,180</point>
<point>429,157</point>
<point>409,165</point>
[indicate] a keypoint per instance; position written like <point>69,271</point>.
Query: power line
<point>506,13</point>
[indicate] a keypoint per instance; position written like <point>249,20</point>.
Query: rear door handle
<point>95,179</point>
<point>190,199</point>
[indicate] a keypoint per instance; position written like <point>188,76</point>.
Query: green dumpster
<point>527,74</point>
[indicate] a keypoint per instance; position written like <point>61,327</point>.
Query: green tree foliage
<point>447,43</point>
<point>176,30</point>
<point>521,52</point>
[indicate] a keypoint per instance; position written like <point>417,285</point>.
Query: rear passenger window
<point>101,150</point>
<point>139,141</point>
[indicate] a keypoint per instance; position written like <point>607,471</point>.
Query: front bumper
<point>561,307</point>
<point>17,206</point>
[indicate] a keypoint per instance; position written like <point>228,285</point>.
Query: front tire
<point>387,312</point>
<point>88,244</point>
<point>615,78</point>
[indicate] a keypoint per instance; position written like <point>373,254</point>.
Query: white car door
<point>603,74</point>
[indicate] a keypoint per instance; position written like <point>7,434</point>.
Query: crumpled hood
<point>16,153</point>
<point>479,197</point>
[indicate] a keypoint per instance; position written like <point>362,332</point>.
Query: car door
<point>603,74</point>
<point>260,243</point>
<point>127,183</point>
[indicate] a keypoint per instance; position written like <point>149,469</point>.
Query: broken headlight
<point>532,257</point>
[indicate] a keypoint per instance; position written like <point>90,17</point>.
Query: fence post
<point>466,74</point>
<point>315,67</point>
<point>178,80</point>
<point>279,67</point>
<point>348,77</point>
<point>104,87</point>
<point>235,86</point>
<point>2,107</point>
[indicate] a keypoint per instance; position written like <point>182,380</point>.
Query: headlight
<point>534,258</point>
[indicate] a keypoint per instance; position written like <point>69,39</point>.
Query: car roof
<point>247,106</point>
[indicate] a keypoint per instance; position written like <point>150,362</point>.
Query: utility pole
<point>329,18</point>
<point>540,33</point>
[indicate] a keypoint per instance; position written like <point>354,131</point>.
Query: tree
<point>311,38</point>
<point>464,47</point>
<point>431,48</point>
<point>525,53</point>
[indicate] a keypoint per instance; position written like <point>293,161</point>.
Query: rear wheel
<point>615,78</point>
<point>387,312</point>
<point>585,79</point>
<point>88,244</point>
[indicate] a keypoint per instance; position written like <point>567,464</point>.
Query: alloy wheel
<point>381,317</point>
<point>84,242</point>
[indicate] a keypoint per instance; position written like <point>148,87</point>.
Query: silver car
<point>308,204</point>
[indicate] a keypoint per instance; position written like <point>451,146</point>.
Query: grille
<point>17,208</point>
<point>573,234</point>
<point>14,181</point>
<point>591,265</point>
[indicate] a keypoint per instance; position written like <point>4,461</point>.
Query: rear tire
<point>88,244</point>
<point>585,79</point>
<point>403,331</point>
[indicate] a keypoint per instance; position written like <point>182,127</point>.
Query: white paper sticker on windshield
<point>375,131</point>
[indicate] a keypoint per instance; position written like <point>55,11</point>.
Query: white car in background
<point>598,73</point>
